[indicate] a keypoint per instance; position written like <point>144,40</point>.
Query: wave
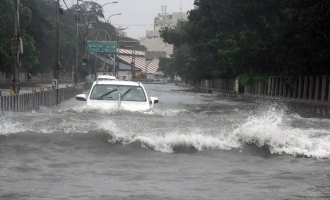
<point>7,126</point>
<point>269,130</point>
<point>274,129</point>
<point>176,142</point>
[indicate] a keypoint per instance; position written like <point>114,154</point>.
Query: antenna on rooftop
<point>181,7</point>
<point>164,10</point>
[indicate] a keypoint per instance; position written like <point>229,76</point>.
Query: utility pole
<point>118,58</point>
<point>114,63</point>
<point>105,39</point>
<point>77,45</point>
<point>95,66</point>
<point>133,61</point>
<point>85,61</point>
<point>17,48</point>
<point>56,64</point>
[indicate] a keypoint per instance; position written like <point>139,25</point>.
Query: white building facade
<point>153,41</point>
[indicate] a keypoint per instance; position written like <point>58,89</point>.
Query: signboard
<point>110,46</point>
<point>55,84</point>
<point>102,46</point>
<point>93,46</point>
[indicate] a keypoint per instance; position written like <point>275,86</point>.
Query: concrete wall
<point>43,97</point>
<point>305,88</point>
<point>308,93</point>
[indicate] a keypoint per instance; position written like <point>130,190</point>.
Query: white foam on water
<point>198,141</point>
<point>105,109</point>
<point>271,129</point>
<point>8,126</point>
<point>166,142</point>
<point>169,112</point>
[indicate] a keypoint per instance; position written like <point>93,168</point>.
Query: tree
<point>6,33</point>
<point>255,38</point>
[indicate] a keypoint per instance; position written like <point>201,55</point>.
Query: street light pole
<point>77,45</point>
<point>56,64</point>
<point>133,60</point>
<point>105,38</point>
<point>95,67</point>
<point>114,59</point>
<point>109,3</point>
<point>17,48</point>
<point>112,15</point>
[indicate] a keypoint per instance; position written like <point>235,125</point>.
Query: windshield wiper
<point>121,98</point>
<point>101,97</point>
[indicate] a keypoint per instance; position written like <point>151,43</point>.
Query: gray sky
<point>138,15</point>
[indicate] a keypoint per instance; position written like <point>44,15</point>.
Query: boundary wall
<point>306,88</point>
<point>300,93</point>
<point>32,101</point>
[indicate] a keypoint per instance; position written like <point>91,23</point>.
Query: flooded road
<point>194,146</point>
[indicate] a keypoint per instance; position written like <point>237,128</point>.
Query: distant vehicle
<point>159,78</point>
<point>126,95</point>
<point>106,77</point>
<point>89,78</point>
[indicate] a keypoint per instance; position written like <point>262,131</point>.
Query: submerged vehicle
<point>159,77</point>
<point>106,77</point>
<point>126,95</point>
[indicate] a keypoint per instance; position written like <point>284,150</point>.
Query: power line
<point>68,8</point>
<point>135,24</point>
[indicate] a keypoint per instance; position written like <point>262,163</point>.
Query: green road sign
<point>102,46</point>
<point>110,46</point>
<point>93,46</point>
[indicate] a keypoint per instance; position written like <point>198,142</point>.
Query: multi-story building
<point>121,32</point>
<point>168,20</point>
<point>152,40</point>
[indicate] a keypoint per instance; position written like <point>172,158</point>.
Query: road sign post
<point>110,46</point>
<point>55,84</point>
<point>93,47</point>
<point>102,46</point>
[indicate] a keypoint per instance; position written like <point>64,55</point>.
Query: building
<point>167,20</point>
<point>121,32</point>
<point>129,61</point>
<point>152,40</point>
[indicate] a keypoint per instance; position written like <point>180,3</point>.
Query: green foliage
<point>29,59</point>
<point>38,31</point>
<point>255,38</point>
<point>5,35</point>
<point>245,79</point>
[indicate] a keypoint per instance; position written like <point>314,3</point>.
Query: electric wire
<point>135,24</point>
<point>68,8</point>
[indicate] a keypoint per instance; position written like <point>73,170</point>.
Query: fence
<point>220,85</point>
<point>306,88</point>
<point>6,78</point>
<point>32,101</point>
<point>315,89</point>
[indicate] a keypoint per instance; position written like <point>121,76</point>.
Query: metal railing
<point>314,89</point>
<point>32,101</point>
<point>303,88</point>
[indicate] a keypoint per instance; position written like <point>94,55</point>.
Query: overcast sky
<point>138,15</point>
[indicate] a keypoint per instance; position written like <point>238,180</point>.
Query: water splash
<point>269,126</point>
<point>272,128</point>
<point>9,126</point>
<point>168,142</point>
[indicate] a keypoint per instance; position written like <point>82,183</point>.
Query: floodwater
<point>194,146</point>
